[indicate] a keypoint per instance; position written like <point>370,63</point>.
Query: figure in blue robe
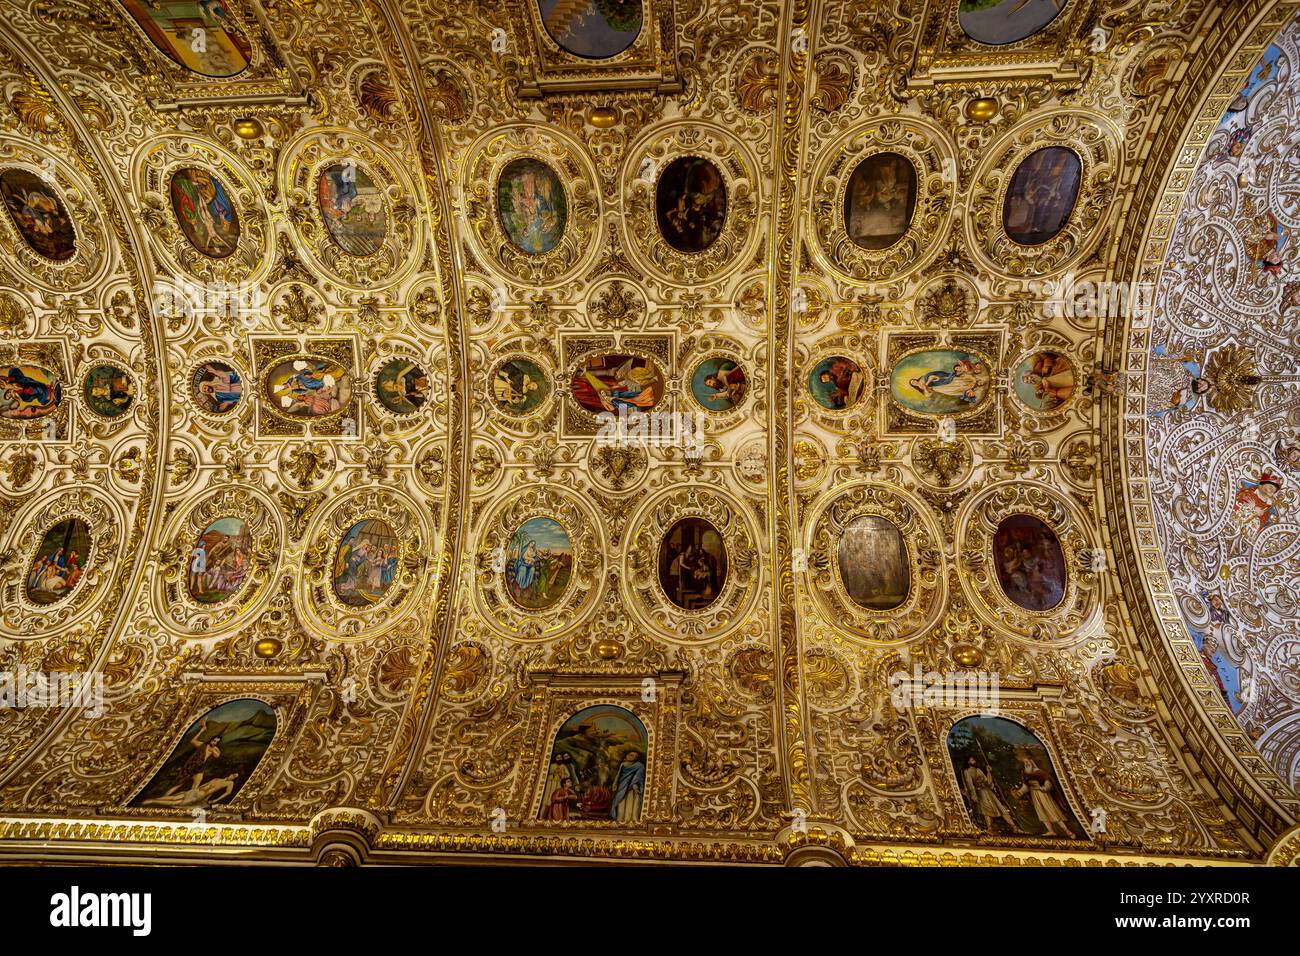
<point>526,567</point>
<point>31,390</point>
<point>1176,384</point>
<point>629,789</point>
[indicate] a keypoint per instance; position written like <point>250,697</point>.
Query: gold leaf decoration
<point>757,83</point>
<point>377,97</point>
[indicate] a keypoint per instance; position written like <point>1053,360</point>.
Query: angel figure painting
<point>1007,780</point>
<point>309,388</point>
<point>39,214</point>
<point>205,212</point>
<point>597,769</point>
<point>1177,384</point>
<point>609,383</point>
<point>215,757</point>
<point>1255,505</point>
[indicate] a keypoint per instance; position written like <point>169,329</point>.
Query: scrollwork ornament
<point>642,237</point>
<point>581,237</point>
<point>924,603</point>
<point>1077,614</point>
<point>645,594</point>
<point>1088,136</point>
<point>174,602</point>
<point>929,151</point>
<point>20,616</point>
<point>499,608</point>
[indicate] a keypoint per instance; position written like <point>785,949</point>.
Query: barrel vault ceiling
<point>329,297</point>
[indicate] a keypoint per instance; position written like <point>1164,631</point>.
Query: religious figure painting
<point>39,215</point>
<point>353,209</point>
<point>532,205</point>
<point>402,387</point>
<point>998,22</point>
<point>196,34</point>
<point>593,29</point>
<point>1007,780</point>
<point>519,386</point>
<point>1030,563</point>
<point>941,382</point>
<point>691,204</point>
<point>366,563</point>
<point>1044,381</point>
<point>609,383</point>
<point>28,391</point>
<point>837,383</point>
<point>598,768</point>
<point>1041,195</point>
<point>539,563</point>
<point>1175,383</point>
<point>308,387</point>
<point>205,211</point>
<point>719,384</point>
<point>217,388</point>
<point>59,562</point>
<point>219,560</point>
<point>1265,241</point>
<point>692,564</point>
<point>873,563</point>
<point>1225,677</point>
<point>215,757</point>
<point>1255,505</point>
<point>880,200</point>
<point>108,391</point>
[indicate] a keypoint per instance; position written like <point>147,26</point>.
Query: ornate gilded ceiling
<point>761,432</point>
